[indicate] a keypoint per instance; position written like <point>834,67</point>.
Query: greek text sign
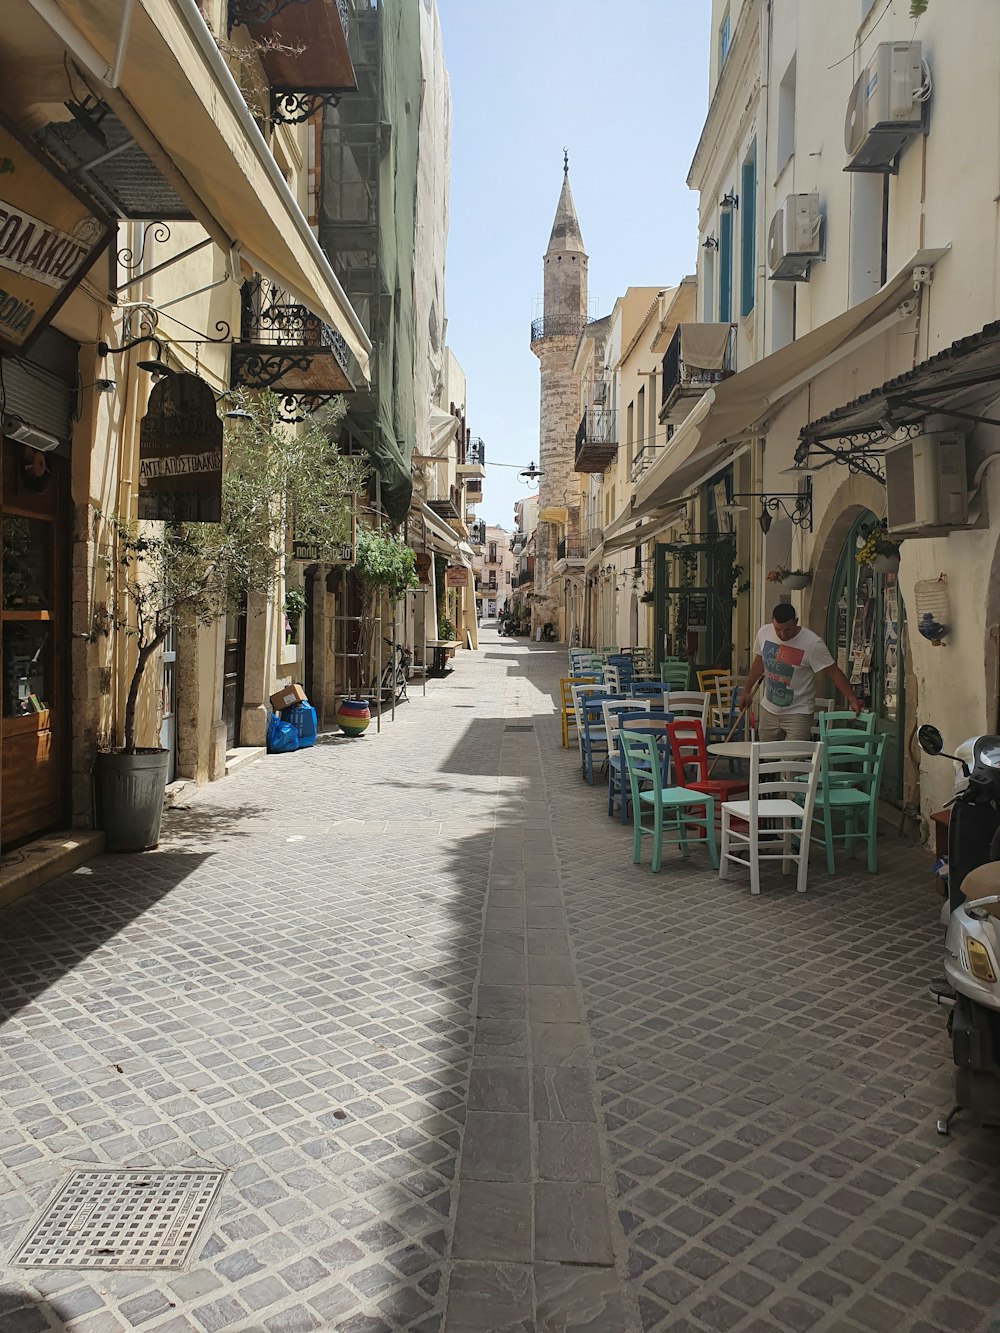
<point>180,453</point>
<point>50,235</point>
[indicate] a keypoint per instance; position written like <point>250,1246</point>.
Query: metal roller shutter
<point>39,397</point>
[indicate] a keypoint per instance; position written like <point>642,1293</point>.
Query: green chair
<point>846,721</point>
<point>679,808</point>
<point>849,781</point>
<point>676,674</point>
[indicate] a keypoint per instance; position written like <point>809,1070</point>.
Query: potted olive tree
<point>384,567</point>
<point>191,574</point>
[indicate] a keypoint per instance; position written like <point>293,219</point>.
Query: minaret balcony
<point>596,439</point>
<point>697,356</point>
<point>557,326</point>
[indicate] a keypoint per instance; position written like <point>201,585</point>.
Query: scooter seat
<point>983,882</point>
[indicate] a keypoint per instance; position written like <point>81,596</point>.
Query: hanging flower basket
<point>789,580</point>
<point>886,564</point>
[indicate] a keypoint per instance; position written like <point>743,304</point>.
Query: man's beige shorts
<point>791,727</point>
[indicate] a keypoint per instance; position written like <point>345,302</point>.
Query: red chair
<point>689,762</point>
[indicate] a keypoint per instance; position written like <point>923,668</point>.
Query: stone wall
<point>559,413</point>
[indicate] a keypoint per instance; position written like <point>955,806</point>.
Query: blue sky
<point>624,87</point>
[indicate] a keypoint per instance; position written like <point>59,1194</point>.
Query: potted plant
<point>879,550</point>
<point>294,608</point>
<point>790,580</point>
<point>190,574</point>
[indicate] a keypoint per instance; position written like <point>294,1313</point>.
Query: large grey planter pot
<point>130,791</point>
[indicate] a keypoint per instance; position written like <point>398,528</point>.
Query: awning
<point>727,411</point>
<point>641,532</point>
<point>951,381</point>
<point>179,101</point>
<point>439,536</point>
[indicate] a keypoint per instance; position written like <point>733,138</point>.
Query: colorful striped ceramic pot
<point>353,716</point>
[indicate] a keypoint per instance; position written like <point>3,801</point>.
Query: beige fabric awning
<point>179,100</point>
<point>727,411</point>
<point>641,532</point>
<point>439,536</point>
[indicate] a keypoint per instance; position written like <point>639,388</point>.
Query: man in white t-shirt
<point>789,657</point>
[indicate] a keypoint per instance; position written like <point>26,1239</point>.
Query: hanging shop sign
<point>456,576</point>
<point>344,553</point>
<point>50,235</point>
<point>180,453</point>
<point>422,566</point>
<point>697,616</point>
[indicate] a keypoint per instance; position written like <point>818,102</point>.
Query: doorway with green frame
<point>865,631</point>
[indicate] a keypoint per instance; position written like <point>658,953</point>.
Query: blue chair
<point>649,689</point>
<point>644,724</point>
<point>675,807</point>
<point>592,731</point>
<point>626,668</point>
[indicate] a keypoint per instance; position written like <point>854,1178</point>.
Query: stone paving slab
<point>466,1068</point>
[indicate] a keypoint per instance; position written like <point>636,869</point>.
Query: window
<point>640,404</point>
<point>869,234</point>
<point>723,39</point>
<point>726,266</point>
<point>493,554</point>
<point>506,576</point>
<point>629,434</point>
<point>708,285</point>
<point>786,116</point>
<point>748,231</point>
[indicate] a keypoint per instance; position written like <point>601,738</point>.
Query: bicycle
<point>393,677</point>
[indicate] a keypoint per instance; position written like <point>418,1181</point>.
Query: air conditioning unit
<point>925,483</point>
<point>16,428</point>
<point>795,237</point>
<point>886,107</point>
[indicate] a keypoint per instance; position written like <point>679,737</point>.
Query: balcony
<point>596,439</point>
<point>473,487</point>
<point>571,551</point>
<point>449,508</point>
<point>593,539</point>
<point>472,461</point>
<point>557,326</point>
<point>303,45</point>
<point>698,356</point>
<point>645,457</point>
<point>287,349</point>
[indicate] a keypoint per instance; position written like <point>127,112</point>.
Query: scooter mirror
<point>930,739</point>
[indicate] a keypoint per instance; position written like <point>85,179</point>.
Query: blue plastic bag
<point>303,718</point>
<point>282,738</point>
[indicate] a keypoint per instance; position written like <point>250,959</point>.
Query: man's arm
<point>840,682</point>
<point>750,684</point>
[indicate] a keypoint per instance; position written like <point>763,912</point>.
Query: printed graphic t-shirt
<point>789,669</point>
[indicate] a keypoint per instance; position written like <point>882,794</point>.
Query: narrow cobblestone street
<point>465,1068</point>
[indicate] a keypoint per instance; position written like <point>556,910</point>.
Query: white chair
<point>612,707</point>
<point>688,703</point>
<point>612,678</point>
<point>783,779</point>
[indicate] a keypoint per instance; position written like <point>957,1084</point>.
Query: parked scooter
<point>549,632</point>
<point>972,943</point>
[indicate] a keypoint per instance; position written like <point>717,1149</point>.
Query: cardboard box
<point>287,696</point>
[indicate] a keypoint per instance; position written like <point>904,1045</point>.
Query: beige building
<point>855,273</point>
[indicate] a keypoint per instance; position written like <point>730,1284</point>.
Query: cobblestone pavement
<point>465,1068</point>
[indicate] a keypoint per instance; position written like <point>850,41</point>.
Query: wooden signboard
<point>180,453</point>
<point>50,235</point>
<point>456,576</point>
<point>422,566</point>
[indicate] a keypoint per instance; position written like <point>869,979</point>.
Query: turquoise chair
<point>849,780</point>
<point>675,807</point>
<point>648,723</point>
<point>676,674</point>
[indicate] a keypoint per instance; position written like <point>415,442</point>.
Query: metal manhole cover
<point>122,1219</point>
<point>528,727</point>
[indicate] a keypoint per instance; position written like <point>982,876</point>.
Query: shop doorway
<point>233,673</point>
<point>865,629</point>
<point>35,731</point>
<point>168,702</point>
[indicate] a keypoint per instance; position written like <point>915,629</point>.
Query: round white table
<point>731,749</point>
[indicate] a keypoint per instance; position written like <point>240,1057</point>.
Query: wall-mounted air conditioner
<point>795,238</point>
<point>925,483</point>
<point>16,428</point>
<point>886,107</point>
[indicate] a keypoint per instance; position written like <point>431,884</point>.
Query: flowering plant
<point>877,542</point>
<point>780,574</point>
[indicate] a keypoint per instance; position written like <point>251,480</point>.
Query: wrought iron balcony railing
<point>475,451</point>
<point>697,356</point>
<point>284,347</point>
<point>596,439</point>
<point>555,326</point>
<point>645,457</point>
<point>570,548</point>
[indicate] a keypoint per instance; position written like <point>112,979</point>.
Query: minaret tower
<point>554,340</point>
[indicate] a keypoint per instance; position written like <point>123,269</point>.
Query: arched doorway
<point>866,633</point>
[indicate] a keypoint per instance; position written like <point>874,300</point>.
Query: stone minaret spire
<point>553,340</point>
